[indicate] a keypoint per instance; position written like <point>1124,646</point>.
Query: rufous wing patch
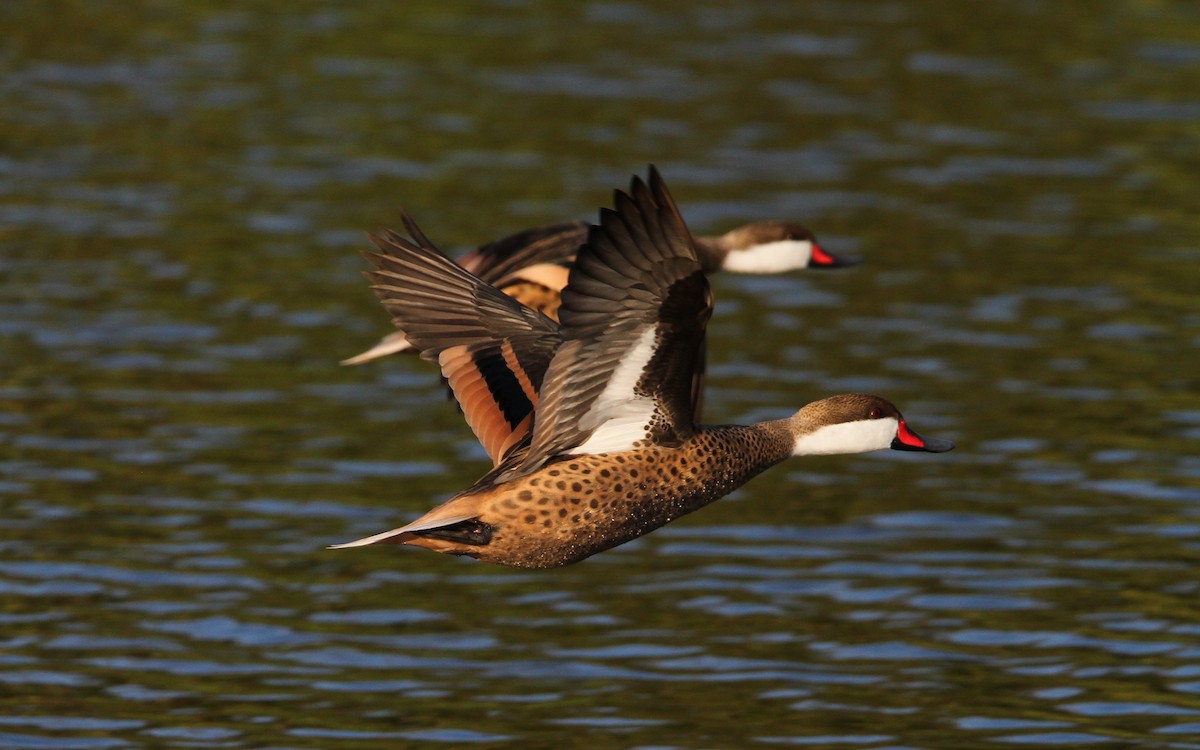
<point>496,396</point>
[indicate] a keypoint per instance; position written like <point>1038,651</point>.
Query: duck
<point>532,265</point>
<point>614,452</point>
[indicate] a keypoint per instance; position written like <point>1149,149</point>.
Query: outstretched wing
<point>539,255</point>
<point>633,319</point>
<point>493,350</point>
<point>502,261</point>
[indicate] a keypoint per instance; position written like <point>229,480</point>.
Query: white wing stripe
<point>615,435</point>
<point>618,417</point>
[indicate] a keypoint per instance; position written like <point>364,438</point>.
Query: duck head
<point>856,423</point>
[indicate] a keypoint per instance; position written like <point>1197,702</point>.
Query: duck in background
<point>532,265</point>
<point>611,450</point>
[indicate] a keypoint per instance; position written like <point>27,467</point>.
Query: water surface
<point>183,196</point>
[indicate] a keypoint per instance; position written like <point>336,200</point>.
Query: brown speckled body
<point>581,505</point>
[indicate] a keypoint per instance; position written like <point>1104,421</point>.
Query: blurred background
<point>184,193</point>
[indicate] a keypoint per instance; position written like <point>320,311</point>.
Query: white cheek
<point>847,437</point>
<point>770,257</point>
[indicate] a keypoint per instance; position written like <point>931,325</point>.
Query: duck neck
<point>752,448</point>
<point>711,252</point>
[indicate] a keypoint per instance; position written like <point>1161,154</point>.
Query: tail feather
<point>424,523</point>
<point>390,344</point>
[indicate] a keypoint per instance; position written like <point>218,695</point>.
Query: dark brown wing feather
<point>636,290</point>
<point>499,262</point>
<point>492,350</point>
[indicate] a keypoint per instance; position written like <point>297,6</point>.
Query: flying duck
<point>610,449</point>
<point>533,265</point>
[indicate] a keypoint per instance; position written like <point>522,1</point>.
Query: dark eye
<point>792,236</point>
<point>876,413</point>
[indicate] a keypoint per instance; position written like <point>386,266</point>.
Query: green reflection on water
<point>183,191</point>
